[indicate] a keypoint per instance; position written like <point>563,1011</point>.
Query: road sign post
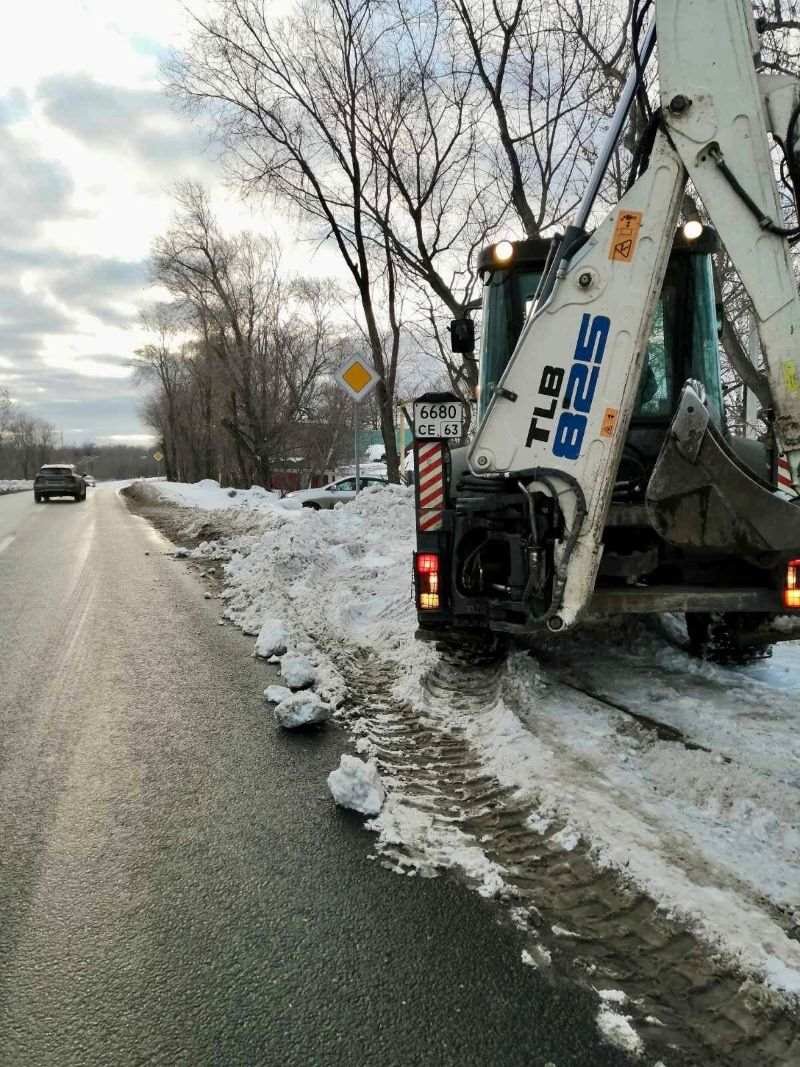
<point>356,451</point>
<point>357,378</point>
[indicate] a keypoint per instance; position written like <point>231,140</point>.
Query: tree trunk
<point>386,410</point>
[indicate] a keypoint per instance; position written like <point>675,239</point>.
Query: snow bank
<point>12,486</point>
<point>713,836</point>
<point>357,785</point>
<point>207,495</point>
<point>301,709</point>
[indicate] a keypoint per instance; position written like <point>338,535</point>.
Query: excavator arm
<point>559,416</point>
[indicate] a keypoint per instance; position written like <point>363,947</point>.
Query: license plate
<point>439,420</point>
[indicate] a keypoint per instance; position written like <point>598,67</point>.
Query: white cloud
<point>90,148</point>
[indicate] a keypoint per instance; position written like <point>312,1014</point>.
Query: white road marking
<point>6,542</point>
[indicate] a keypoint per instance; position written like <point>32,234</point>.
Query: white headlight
<point>692,230</point>
<point>503,251</point>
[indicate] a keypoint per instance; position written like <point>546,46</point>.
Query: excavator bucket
<point>701,496</point>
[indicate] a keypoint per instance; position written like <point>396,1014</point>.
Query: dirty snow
<point>14,486</point>
<point>357,784</point>
<point>713,836</point>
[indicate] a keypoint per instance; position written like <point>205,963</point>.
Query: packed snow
<point>711,831</point>
<point>12,486</point>
<point>357,784</point>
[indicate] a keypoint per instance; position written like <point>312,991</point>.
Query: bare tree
<point>161,363</point>
<point>288,96</point>
<point>228,288</point>
<point>538,67</point>
<point>241,352</point>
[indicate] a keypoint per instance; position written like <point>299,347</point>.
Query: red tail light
<point>791,591</point>
<point>427,567</point>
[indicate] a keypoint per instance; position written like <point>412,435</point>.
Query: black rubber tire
<point>37,498</point>
<point>722,637</point>
<point>312,505</point>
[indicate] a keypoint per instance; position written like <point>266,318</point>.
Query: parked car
<point>58,479</point>
<point>325,496</point>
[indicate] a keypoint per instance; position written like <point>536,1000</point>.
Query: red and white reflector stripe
<point>430,486</point>
<point>785,475</point>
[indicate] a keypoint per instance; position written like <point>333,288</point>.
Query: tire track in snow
<point>688,1005</point>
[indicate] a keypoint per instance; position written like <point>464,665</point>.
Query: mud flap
<point>701,496</point>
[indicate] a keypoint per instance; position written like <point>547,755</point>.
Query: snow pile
<point>301,709</point>
<point>357,785</point>
<point>13,486</point>
<point>272,638</point>
<point>344,573</point>
<point>207,495</point>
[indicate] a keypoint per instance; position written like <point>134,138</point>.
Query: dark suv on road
<point>58,479</point>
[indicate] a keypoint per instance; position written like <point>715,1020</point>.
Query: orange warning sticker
<point>609,422</point>
<point>626,234</point>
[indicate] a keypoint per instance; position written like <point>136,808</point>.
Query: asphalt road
<point>176,885</point>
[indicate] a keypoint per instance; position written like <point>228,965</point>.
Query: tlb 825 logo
<point>578,395</point>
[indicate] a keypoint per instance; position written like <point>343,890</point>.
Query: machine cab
<point>683,341</point>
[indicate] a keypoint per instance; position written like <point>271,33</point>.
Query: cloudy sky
<point>90,148</point>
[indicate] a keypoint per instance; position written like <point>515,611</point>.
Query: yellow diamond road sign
<point>157,456</point>
<point>357,378</point>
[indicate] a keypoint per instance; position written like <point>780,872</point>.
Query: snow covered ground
<point>12,486</point>
<point>710,830</point>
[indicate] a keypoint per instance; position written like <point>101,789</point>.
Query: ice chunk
<point>272,638</point>
<point>276,694</point>
<point>613,996</point>
<point>539,957</point>
<point>617,1029</point>
<point>357,785</point>
<point>181,553</point>
<point>297,671</point>
<point>301,709</point>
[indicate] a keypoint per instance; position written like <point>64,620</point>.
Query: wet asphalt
<point>176,885</point>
